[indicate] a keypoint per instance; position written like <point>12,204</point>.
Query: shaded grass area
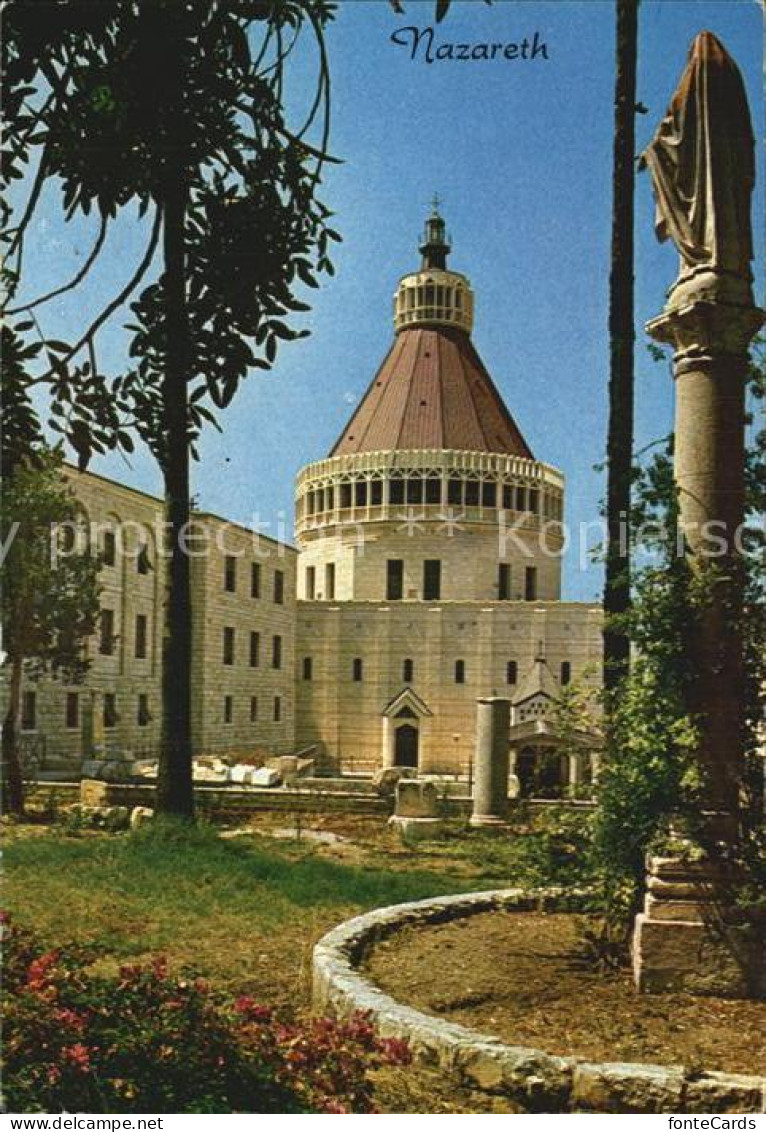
<point>245,913</point>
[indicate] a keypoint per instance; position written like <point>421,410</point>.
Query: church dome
<point>433,390</point>
<point>431,492</point>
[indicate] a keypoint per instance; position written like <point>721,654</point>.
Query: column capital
<point>706,324</point>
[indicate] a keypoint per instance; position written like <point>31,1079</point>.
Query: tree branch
<point>119,299</point>
<point>70,286</point>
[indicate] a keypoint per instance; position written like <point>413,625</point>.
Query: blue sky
<point>520,152</point>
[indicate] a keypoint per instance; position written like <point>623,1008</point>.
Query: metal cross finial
<point>435,204</point>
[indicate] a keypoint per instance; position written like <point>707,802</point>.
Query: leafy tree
<point>176,107</point>
<point>651,776</point>
<point>49,597</point>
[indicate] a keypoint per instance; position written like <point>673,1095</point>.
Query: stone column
<point>490,790</point>
<point>93,734</point>
<point>679,942</point>
<point>573,772</point>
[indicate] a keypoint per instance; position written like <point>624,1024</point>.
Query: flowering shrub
<point>148,1041</point>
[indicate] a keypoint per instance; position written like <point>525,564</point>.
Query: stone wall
<point>347,714</point>
<point>132,581</point>
<point>534,1081</point>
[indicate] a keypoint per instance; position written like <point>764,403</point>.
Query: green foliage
<point>50,591</point>
<point>90,108</point>
<point>146,1040</point>
<point>650,778</point>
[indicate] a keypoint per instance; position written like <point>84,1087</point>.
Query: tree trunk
<point>621,340</point>
<point>175,794</point>
<point>13,785</point>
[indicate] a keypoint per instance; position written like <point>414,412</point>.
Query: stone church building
<point>426,573</point>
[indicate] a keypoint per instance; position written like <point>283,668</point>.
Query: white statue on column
<point>702,165</point>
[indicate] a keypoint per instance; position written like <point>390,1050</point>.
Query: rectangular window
<point>277,709</point>
<point>142,625</point>
<point>228,709</point>
<point>396,491</point>
<point>455,493</point>
<point>110,548</point>
<point>276,652</point>
<point>29,711</point>
<point>521,499</point>
<point>311,583</point>
<point>394,579</point>
<point>143,714</point>
<point>110,709</point>
<point>511,672</point>
<point>408,671</point>
<point>230,574</point>
<point>72,710</point>
<point>433,491</point>
<point>504,582</point>
<point>345,495</point>
<point>253,709</point>
<point>255,649</point>
<point>460,672</point>
<point>255,579</point>
<point>279,587</point>
<point>534,500</point>
<point>329,581</point>
<point>360,493</point>
<point>357,670</point>
<point>307,668</point>
<point>415,491</point>
<point>228,645</point>
<point>566,673</point>
<point>432,579</point>
<point>106,643</point>
<point>376,492</point>
<point>530,583</point>
<point>472,493</point>
<point>507,497</point>
<point>143,564</point>
<point>488,494</point>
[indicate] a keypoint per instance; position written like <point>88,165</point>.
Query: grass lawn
<point>245,911</point>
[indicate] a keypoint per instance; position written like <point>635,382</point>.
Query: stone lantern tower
<point>431,491</point>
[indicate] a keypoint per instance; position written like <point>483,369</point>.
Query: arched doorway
<point>406,746</point>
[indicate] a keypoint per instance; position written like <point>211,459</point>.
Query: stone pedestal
<point>685,939</point>
<point>492,763</point>
<point>416,815</point>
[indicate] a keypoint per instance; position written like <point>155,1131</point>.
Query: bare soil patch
<point>521,977</point>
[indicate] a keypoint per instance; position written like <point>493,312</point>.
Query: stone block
<point>688,911</point>
<point>615,1087</point>
<point>241,774</point>
<point>387,778</point>
<point>144,768</point>
<point>724,1092</point>
<point>412,830</point>
<point>93,792</point>
<point>416,799</point>
<point>266,776</point>
<point>140,815</point>
<point>677,955</point>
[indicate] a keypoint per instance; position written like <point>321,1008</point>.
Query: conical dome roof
<point>433,391</point>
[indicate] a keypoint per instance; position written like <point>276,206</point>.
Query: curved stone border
<point>537,1081</point>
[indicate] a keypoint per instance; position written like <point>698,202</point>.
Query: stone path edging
<point>537,1081</point>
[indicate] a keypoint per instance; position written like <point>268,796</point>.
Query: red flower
<point>78,1056</point>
